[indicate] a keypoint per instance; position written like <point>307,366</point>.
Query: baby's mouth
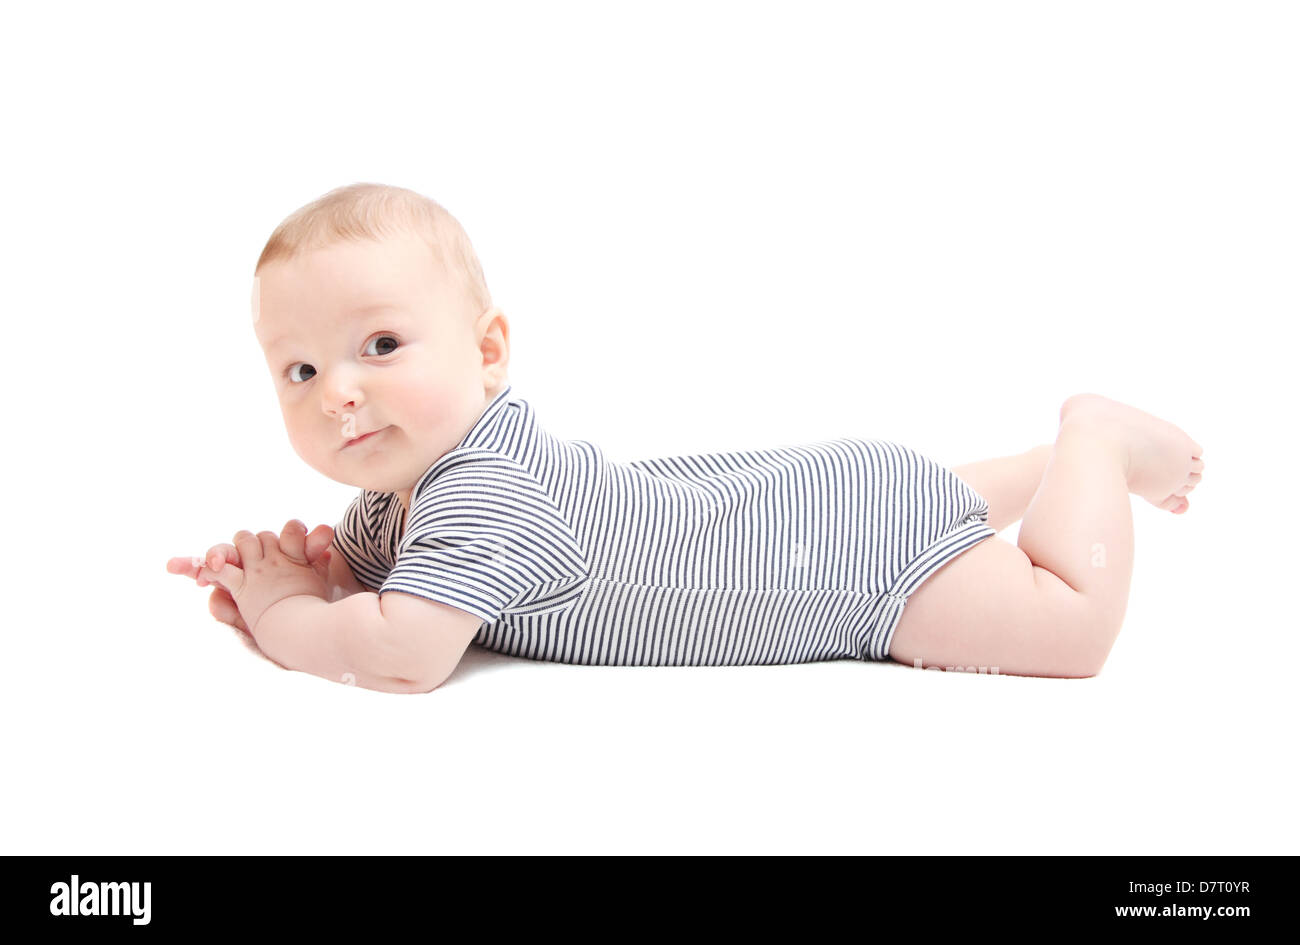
<point>363,438</point>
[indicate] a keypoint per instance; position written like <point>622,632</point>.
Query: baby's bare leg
<point>1007,483</point>
<point>1054,604</point>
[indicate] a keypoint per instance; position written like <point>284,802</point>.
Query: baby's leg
<point>1054,604</point>
<point>1007,483</point>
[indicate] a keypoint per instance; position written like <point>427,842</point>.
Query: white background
<point>713,226</point>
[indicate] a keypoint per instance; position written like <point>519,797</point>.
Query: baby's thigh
<point>991,606</point>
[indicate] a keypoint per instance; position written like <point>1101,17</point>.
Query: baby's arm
<point>342,582</point>
<point>316,617</point>
<point>398,643</point>
<point>318,548</point>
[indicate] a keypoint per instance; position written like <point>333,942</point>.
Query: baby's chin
<point>384,466</point>
<point>370,483</point>
<point>376,475</point>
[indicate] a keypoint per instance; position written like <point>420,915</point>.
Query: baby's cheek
<point>297,441</point>
<point>308,448</point>
<point>440,414</point>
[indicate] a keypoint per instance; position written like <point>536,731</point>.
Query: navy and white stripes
<point>781,555</point>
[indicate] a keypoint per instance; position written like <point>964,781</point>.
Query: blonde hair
<point>375,211</point>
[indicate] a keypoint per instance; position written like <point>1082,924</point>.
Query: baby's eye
<point>310,372</point>
<point>379,338</point>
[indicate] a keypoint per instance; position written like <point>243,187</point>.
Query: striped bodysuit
<point>781,555</point>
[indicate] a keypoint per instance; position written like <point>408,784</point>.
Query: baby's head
<point>372,310</point>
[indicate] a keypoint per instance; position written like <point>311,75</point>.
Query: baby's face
<point>370,338</point>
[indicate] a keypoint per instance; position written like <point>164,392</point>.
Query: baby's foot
<point>1164,463</point>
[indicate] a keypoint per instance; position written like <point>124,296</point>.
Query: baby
<point>473,524</point>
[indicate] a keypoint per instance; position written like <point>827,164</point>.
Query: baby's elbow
<point>400,685</point>
<point>437,671</point>
<point>419,683</point>
<point>434,682</point>
<point>404,671</point>
<point>421,640</point>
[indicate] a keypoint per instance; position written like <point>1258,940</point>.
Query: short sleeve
<point>485,536</point>
<point>356,537</point>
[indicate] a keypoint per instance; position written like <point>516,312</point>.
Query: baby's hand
<point>267,573</point>
<point>293,540</point>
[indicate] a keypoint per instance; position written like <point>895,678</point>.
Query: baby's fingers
<point>293,541</point>
<point>222,606</point>
<point>253,548</point>
<point>218,555</point>
<point>321,537</point>
<point>224,609</point>
<point>229,577</point>
<point>190,568</point>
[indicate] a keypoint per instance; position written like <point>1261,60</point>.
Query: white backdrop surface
<point>713,226</point>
